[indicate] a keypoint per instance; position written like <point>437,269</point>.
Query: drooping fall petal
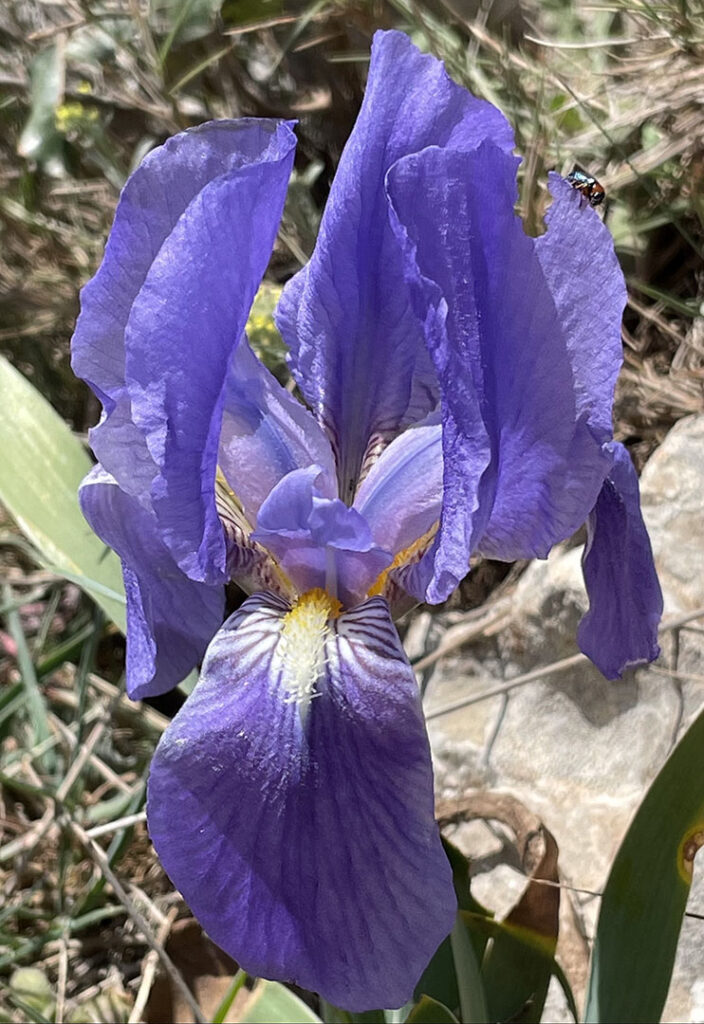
<point>170,619</point>
<point>299,774</point>
<point>625,601</point>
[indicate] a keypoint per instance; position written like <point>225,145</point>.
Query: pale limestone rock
<point>672,497</point>
<point>578,750</point>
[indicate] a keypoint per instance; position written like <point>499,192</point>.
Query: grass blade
<point>646,894</point>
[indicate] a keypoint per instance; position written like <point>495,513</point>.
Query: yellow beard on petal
<point>301,648</point>
<point>413,553</point>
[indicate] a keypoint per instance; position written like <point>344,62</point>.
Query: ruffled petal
<point>291,802</point>
<point>266,433</point>
<point>466,445</point>
<point>120,448</point>
<point>474,259</point>
<point>318,540</point>
<point>401,497</point>
<point>582,272</point>
<point>357,351</point>
<point>184,326</point>
<point>625,601</point>
<point>152,201</point>
<point>170,619</point>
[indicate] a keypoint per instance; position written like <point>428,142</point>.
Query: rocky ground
<point>577,750</point>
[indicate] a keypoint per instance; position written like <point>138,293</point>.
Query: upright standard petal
<point>170,619</point>
<point>152,201</point>
<point>300,775</point>
<point>357,351</point>
<point>266,433</point>
<point>625,601</point>
<point>182,331</point>
<point>472,257</point>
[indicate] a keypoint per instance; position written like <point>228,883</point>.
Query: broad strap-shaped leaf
<point>517,969</point>
<point>646,894</point>
<point>430,1011</point>
<point>439,980</point>
<point>272,1003</point>
<point>41,468</point>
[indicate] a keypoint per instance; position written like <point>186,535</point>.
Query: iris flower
<point>457,380</point>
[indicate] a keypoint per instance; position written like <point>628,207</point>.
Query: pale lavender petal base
<point>401,498</point>
<point>305,841</point>
<point>318,540</point>
<point>266,433</point>
<point>625,601</point>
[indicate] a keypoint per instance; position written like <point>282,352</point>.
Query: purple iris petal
<point>120,447</point>
<point>465,442</point>
<point>170,619</point>
<point>306,842</point>
<point>589,291</point>
<point>625,601</point>
<point>472,254</point>
<point>318,540</point>
<point>358,353</point>
<point>152,201</point>
<point>184,326</point>
<point>291,799</point>
<point>266,433</point>
<point>401,497</point>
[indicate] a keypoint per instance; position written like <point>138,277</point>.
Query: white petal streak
<point>311,649</point>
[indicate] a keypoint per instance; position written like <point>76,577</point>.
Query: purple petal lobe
<point>357,351</point>
<point>298,773</point>
<point>453,342</point>
<point>266,434</point>
<point>121,449</point>
<point>318,540</point>
<point>170,619</point>
<point>625,601</point>
<point>474,259</point>
<point>589,291</point>
<point>152,201</point>
<point>184,326</point>
<point>401,497</point>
